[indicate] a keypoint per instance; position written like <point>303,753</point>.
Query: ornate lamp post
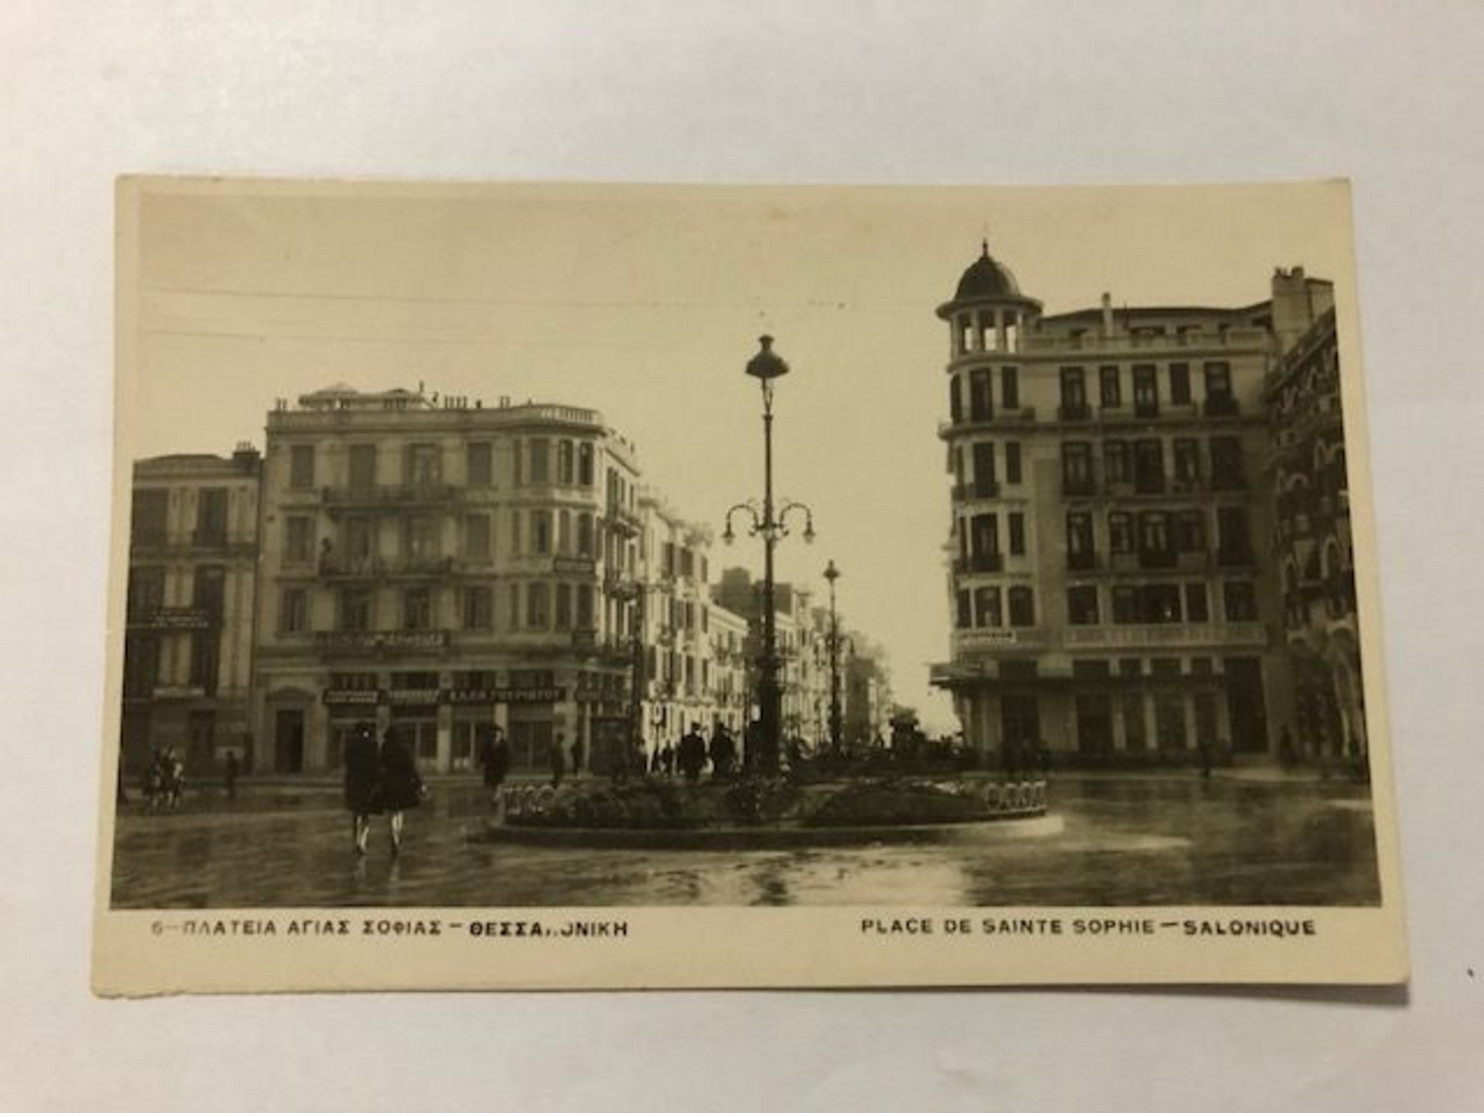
<point>771,524</point>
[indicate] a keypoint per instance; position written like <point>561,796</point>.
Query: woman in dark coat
<point>362,778</point>
<point>401,786</point>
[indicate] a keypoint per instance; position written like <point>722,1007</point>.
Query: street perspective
<point>599,550</point>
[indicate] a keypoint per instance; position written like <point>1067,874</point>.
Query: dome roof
<point>987,278</point>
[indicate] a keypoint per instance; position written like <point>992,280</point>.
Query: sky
<point>646,303</point>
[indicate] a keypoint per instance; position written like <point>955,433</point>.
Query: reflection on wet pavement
<point>1126,841</point>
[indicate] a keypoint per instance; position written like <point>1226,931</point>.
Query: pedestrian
<point>494,760</point>
<point>173,772</point>
<point>667,759</point>
<point>401,787</point>
<point>691,755</point>
<point>362,782</point>
<point>723,752</point>
<point>578,756</point>
<point>229,775</point>
<point>558,762</point>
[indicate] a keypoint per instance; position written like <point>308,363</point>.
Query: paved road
<point>1127,840</point>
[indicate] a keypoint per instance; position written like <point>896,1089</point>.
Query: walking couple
<point>380,780</point>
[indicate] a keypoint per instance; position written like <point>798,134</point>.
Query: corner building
<point>1110,594</point>
<point>193,546</point>
<point>443,565</point>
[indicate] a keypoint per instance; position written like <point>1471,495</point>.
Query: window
<point>1135,733</point>
<point>987,607</point>
<point>1017,533</point>
<point>424,464</point>
<point>566,462</point>
<point>362,467</point>
<point>541,532</point>
<point>479,608</point>
<point>211,517</point>
<point>1190,531</point>
<point>480,464</point>
<point>1010,387</point>
<point>1120,533</point>
<point>1146,390</point>
<point>1149,466</point>
<point>984,468</point>
<point>298,539</point>
<point>1116,463</point>
<point>1079,533</point>
<point>585,534</point>
<point>584,606</point>
<point>955,403</point>
<point>563,606</point>
<point>1197,610</point>
<point>1240,600</point>
<point>564,532</point>
<point>965,609</point>
<point>985,535</point>
<point>1154,533</point>
<point>518,461</point>
<point>149,517</point>
<point>1076,467</point>
<point>1125,605</point>
<point>585,463</point>
<point>301,467</point>
<point>359,533</point>
<point>355,610</point>
<point>1110,391</point>
<point>1180,383</point>
<point>1073,393</point>
<point>1226,463</point>
<point>293,611</point>
<point>514,606</point>
<point>1022,601</point>
<point>1232,537</point>
<point>1012,463</point>
<point>1082,604</point>
<point>146,590</point>
<point>1218,380</point>
<point>1187,460</point>
<point>1160,604</point>
<point>205,659</point>
<point>477,536</point>
<point>540,461</point>
<point>515,543</point>
<point>538,605</point>
<point>417,609</point>
<point>209,591</point>
<point>981,396</point>
<point>420,538</point>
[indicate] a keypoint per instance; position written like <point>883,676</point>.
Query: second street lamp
<point>771,523</point>
<point>836,641</point>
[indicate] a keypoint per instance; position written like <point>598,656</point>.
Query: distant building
<point>193,547</point>
<point>1109,590</point>
<point>1312,544</point>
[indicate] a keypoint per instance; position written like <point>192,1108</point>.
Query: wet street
<point>1126,840</point>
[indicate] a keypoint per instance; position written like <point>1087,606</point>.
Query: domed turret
<point>987,310</point>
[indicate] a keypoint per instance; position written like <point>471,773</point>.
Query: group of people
<point>689,757</point>
<point>380,779</point>
<point>164,780</point>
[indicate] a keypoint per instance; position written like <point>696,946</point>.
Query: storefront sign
<point>529,694</point>
<point>574,566</point>
<point>184,619</point>
<point>415,696</point>
<point>340,640</point>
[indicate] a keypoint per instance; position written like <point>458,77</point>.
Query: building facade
<point>188,640</point>
<point>441,566</point>
<point>1108,594</point>
<point>1312,545</point>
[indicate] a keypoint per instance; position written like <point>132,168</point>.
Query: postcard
<point>538,586</point>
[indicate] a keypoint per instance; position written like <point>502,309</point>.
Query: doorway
<point>288,741</point>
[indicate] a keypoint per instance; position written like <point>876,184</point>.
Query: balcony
<point>1219,407</point>
<point>1157,560</point>
<point>624,519</point>
<point>1011,416</point>
<point>386,496</point>
<point>1074,413</point>
<point>977,490</point>
<point>1082,560</point>
<point>373,566</point>
<point>1243,634</point>
<point>980,564</point>
<point>1148,409</point>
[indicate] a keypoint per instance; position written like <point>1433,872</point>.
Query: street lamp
<point>772,524</point>
<point>831,574</point>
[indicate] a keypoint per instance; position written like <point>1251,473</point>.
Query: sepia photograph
<point>605,550</point>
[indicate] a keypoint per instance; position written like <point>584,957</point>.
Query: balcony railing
<point>1221,406</point>
<point>976,490</point>
<point>375,496</point>
<point>980,564</point>
<point>1247,634</point>
<point>1074,412</point>
<point>1082,560</point>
